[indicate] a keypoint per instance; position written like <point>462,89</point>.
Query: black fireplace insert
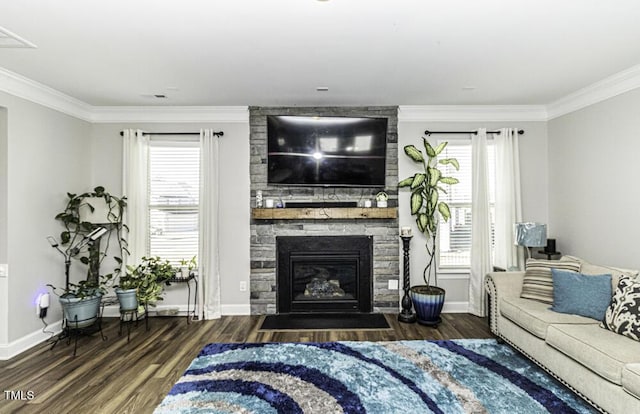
<point>324,274</point>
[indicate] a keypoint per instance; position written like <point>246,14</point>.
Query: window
<point>174,186</point>
<point>455,235</point>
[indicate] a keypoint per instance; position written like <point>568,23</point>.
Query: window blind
<point>174,185</point>
<point>455,235</point>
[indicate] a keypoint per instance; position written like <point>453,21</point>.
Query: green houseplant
<point>83,214</point>
<point>187,266</point>
<point>148,279</point>
<point>426,187</point>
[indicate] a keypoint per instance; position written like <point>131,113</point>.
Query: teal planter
<point>128,299</point>
<point>80,313</point>
<point>428,302</point>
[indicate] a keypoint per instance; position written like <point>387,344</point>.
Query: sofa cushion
<point>581,295</point>
<point>538,284</point>
<point>535,317</point>
<point>631,379</point>
<point>623,315</point>
<point>602,351</point>
<point>587,268</point>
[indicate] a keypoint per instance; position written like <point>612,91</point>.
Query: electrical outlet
<point>4,270</point>
<point>243,286</point>
<point>393,284</point>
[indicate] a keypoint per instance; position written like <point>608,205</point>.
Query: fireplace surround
<point>265,229</point>
<point>324,274</point>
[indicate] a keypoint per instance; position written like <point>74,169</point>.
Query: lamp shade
<point>531,234</point>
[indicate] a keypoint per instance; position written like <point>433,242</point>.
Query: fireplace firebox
<point>324,274</point>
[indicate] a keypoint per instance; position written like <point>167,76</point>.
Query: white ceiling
<point>276,52</point>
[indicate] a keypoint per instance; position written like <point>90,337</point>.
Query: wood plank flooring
<point>114,376</point>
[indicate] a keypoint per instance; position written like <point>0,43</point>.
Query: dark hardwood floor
<point>114,376</point>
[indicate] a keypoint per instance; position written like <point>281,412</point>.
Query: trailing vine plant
<point>76,229</point>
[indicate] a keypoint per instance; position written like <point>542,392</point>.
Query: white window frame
<point>450,270</point>
<point>169,142</point>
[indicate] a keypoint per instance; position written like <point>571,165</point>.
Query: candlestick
<point>406,315</point>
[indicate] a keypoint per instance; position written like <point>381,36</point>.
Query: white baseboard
<point>113,311</point>
<point>242,309</point>
<point>28,341</point>
<point>236,309</point>
<point>455,307</point>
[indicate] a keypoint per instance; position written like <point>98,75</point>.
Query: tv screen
<point>326,151</point>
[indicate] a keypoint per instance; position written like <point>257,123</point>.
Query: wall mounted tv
<point>326,151</point>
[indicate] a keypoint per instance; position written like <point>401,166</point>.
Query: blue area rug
<point>461,376</point>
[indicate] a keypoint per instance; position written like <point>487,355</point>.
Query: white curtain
<point>208,249</point>
<point>480,225</point>
<point>135,158</point>
<point>508,200</point>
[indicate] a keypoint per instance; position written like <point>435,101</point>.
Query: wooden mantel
<point>333,213</point>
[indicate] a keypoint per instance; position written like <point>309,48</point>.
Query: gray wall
<point>234,199</point>
<point>48,154</point>
<point>593,195</point>
<point>534,183</point>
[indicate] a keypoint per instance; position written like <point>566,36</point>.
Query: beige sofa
<point>602,366</point>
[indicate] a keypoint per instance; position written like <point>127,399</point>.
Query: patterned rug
<point>461,376</point>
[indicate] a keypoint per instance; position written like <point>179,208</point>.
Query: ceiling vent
<point>11,40</point>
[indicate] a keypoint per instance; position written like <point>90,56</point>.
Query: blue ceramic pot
<point>428,302</point>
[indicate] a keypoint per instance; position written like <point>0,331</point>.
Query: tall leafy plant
<point>75,229</point>
<point>426,187</point>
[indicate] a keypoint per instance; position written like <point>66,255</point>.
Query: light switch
<point>4,270</point>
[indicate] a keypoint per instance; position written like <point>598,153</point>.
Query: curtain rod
<point>427,132</point>
<point>217,134</point>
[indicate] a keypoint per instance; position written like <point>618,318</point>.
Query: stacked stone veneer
<point>264,232</point>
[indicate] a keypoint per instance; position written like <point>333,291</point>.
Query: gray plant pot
<point>80,313</point>
<point>128,299</point>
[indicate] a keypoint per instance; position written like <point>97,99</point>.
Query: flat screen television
<point>326,151</point>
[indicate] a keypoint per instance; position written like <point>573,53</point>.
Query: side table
<point>188,280</point>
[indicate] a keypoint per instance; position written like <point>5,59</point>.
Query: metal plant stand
<point>406,315</point>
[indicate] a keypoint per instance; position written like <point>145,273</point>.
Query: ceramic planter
<point>80,313</point>
<point>128,299</point>
<point>428,302</point>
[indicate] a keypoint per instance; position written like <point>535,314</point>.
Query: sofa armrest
<point>501,285</point>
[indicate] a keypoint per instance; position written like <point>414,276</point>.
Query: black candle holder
<point>406,315</point>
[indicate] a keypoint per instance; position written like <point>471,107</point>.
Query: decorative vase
<point>80,312</point>
<point>428,302</point>
<point>128,299</point>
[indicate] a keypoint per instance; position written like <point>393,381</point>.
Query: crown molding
<point>614,85</point>
<point>165,114</point>
<point>25,88</point>
<point>36,92</point>
<point>462,113</point>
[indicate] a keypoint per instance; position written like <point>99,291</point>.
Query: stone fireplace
<point>324,274</point>
<point>381,233</point>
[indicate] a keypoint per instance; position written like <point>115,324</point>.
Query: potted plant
<point>127,291</point>
<point>426,187</point>
<point>187,266</point>
<point>149,277</point>
<point>81,302</point>
<point>80,240</point>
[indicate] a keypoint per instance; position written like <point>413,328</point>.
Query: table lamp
<point>530,235</point>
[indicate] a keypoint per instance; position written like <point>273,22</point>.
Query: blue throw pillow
<point>580,294</point>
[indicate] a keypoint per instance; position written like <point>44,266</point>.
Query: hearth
<point>324,274</point>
